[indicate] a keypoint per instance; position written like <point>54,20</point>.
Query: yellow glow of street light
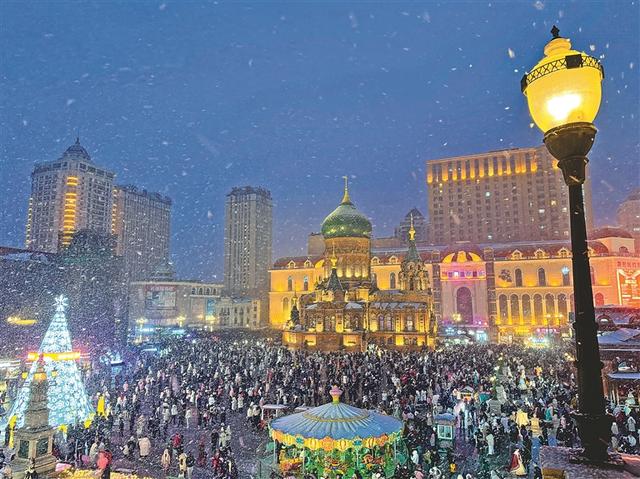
<point>564,87</point>
<point>18,321</point>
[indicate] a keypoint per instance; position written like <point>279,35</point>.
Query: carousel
<point>336,439</point>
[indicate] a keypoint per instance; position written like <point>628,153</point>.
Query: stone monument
<point>34,439</point>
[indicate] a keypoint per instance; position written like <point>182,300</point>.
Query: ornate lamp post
<point>563,93</point>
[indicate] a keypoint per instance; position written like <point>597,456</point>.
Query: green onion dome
<point>346,221</point>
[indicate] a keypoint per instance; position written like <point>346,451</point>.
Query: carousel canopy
<point>336,425</point>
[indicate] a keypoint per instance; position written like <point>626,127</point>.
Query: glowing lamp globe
<point>564,87</point>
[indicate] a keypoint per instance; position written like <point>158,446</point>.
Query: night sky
<point>192,98</point>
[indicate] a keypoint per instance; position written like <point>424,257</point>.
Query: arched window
<point>599,299</point>
<point>200,291</point>
<point>592,272</point>
<point>285,307</point>
<point>538,312</point>
<point>518,275</point>
<point>623,250</point>
<point>392,281</point>
<point>566,278</point>
<point>515,307</point>
<point>193,290</point>
<point>464,305</point>
<point>305,283</point>
<point>502,306</point>
<point>542,277</point>
<point>208,291</point>
<point>380,323</point>
<point>289,283</point>
<point>550,306</point>
<point>563,310</point>
<point>409,324</point>
<point>347,322</point>
<point>526,308</point>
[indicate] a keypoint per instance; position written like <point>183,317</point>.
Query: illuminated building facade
<point>142,229</point>
<point>497,292</point>
<point>333,302</point>
<point>498,197</point>
<point>68,195</point>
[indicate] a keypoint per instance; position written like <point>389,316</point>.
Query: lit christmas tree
<point>67,398</point>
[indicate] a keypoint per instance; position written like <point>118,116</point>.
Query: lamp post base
<point>594,431</point>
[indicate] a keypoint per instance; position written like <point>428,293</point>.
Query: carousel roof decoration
<point>336,426</point>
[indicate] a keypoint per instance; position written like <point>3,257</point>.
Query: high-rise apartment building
<point>247,241</point>
<point>629,216</point>
<point>415,219</point>
<point>499,196</point>
<point>142,229</point>
<point>67,195</point>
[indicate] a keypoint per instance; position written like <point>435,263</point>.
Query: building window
<point>388,323</point>
<point>537,308</point>
<point>289,283</point>
<point>566,279</point>
<point>562,308</point>
<point>542,277</point>
<point>305,283</point>
<point>380,323</point>
<point>592,272</point>
<point>200,291</point>
<point>526,308</point>
<point>599,299</point>
<point>515,307</point>
<point>518,275</point>
<point>550,306</point>
<point>502,306</point>
<point>392,281</point>
<point>464,305</point>
<point>409,324</point>
<point>208,291</point>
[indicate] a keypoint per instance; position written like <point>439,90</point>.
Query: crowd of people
<point>172,410</point>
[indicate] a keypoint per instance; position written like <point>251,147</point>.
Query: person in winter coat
<point>190,461</point>
<point>144,447</point>
<point>182,465</point>
<point>165,460</point>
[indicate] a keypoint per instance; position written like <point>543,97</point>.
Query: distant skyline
<point>191,99</point>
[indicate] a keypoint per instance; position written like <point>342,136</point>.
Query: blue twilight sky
<point>192,98</point>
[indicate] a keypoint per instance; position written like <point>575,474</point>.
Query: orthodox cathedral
<point>346,310</point>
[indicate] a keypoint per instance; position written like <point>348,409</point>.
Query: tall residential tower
<point>499,197</point>
<point>142,229</point>
<point>247,241</point>
<point>67,195</point>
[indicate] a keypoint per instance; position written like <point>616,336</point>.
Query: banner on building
<point>160,297</point>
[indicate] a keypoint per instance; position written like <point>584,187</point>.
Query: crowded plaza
<point>200,406</point>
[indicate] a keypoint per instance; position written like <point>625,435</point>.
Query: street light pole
<point>563,93</point>
<point>570,144</point>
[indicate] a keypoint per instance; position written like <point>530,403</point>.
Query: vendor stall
<point>336,439</point>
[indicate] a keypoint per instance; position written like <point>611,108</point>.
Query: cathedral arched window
<point>503,307</point>
<point>518,275</point>
<point>392,281</point>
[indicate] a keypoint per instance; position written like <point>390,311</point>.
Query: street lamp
<point>564,92</point>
